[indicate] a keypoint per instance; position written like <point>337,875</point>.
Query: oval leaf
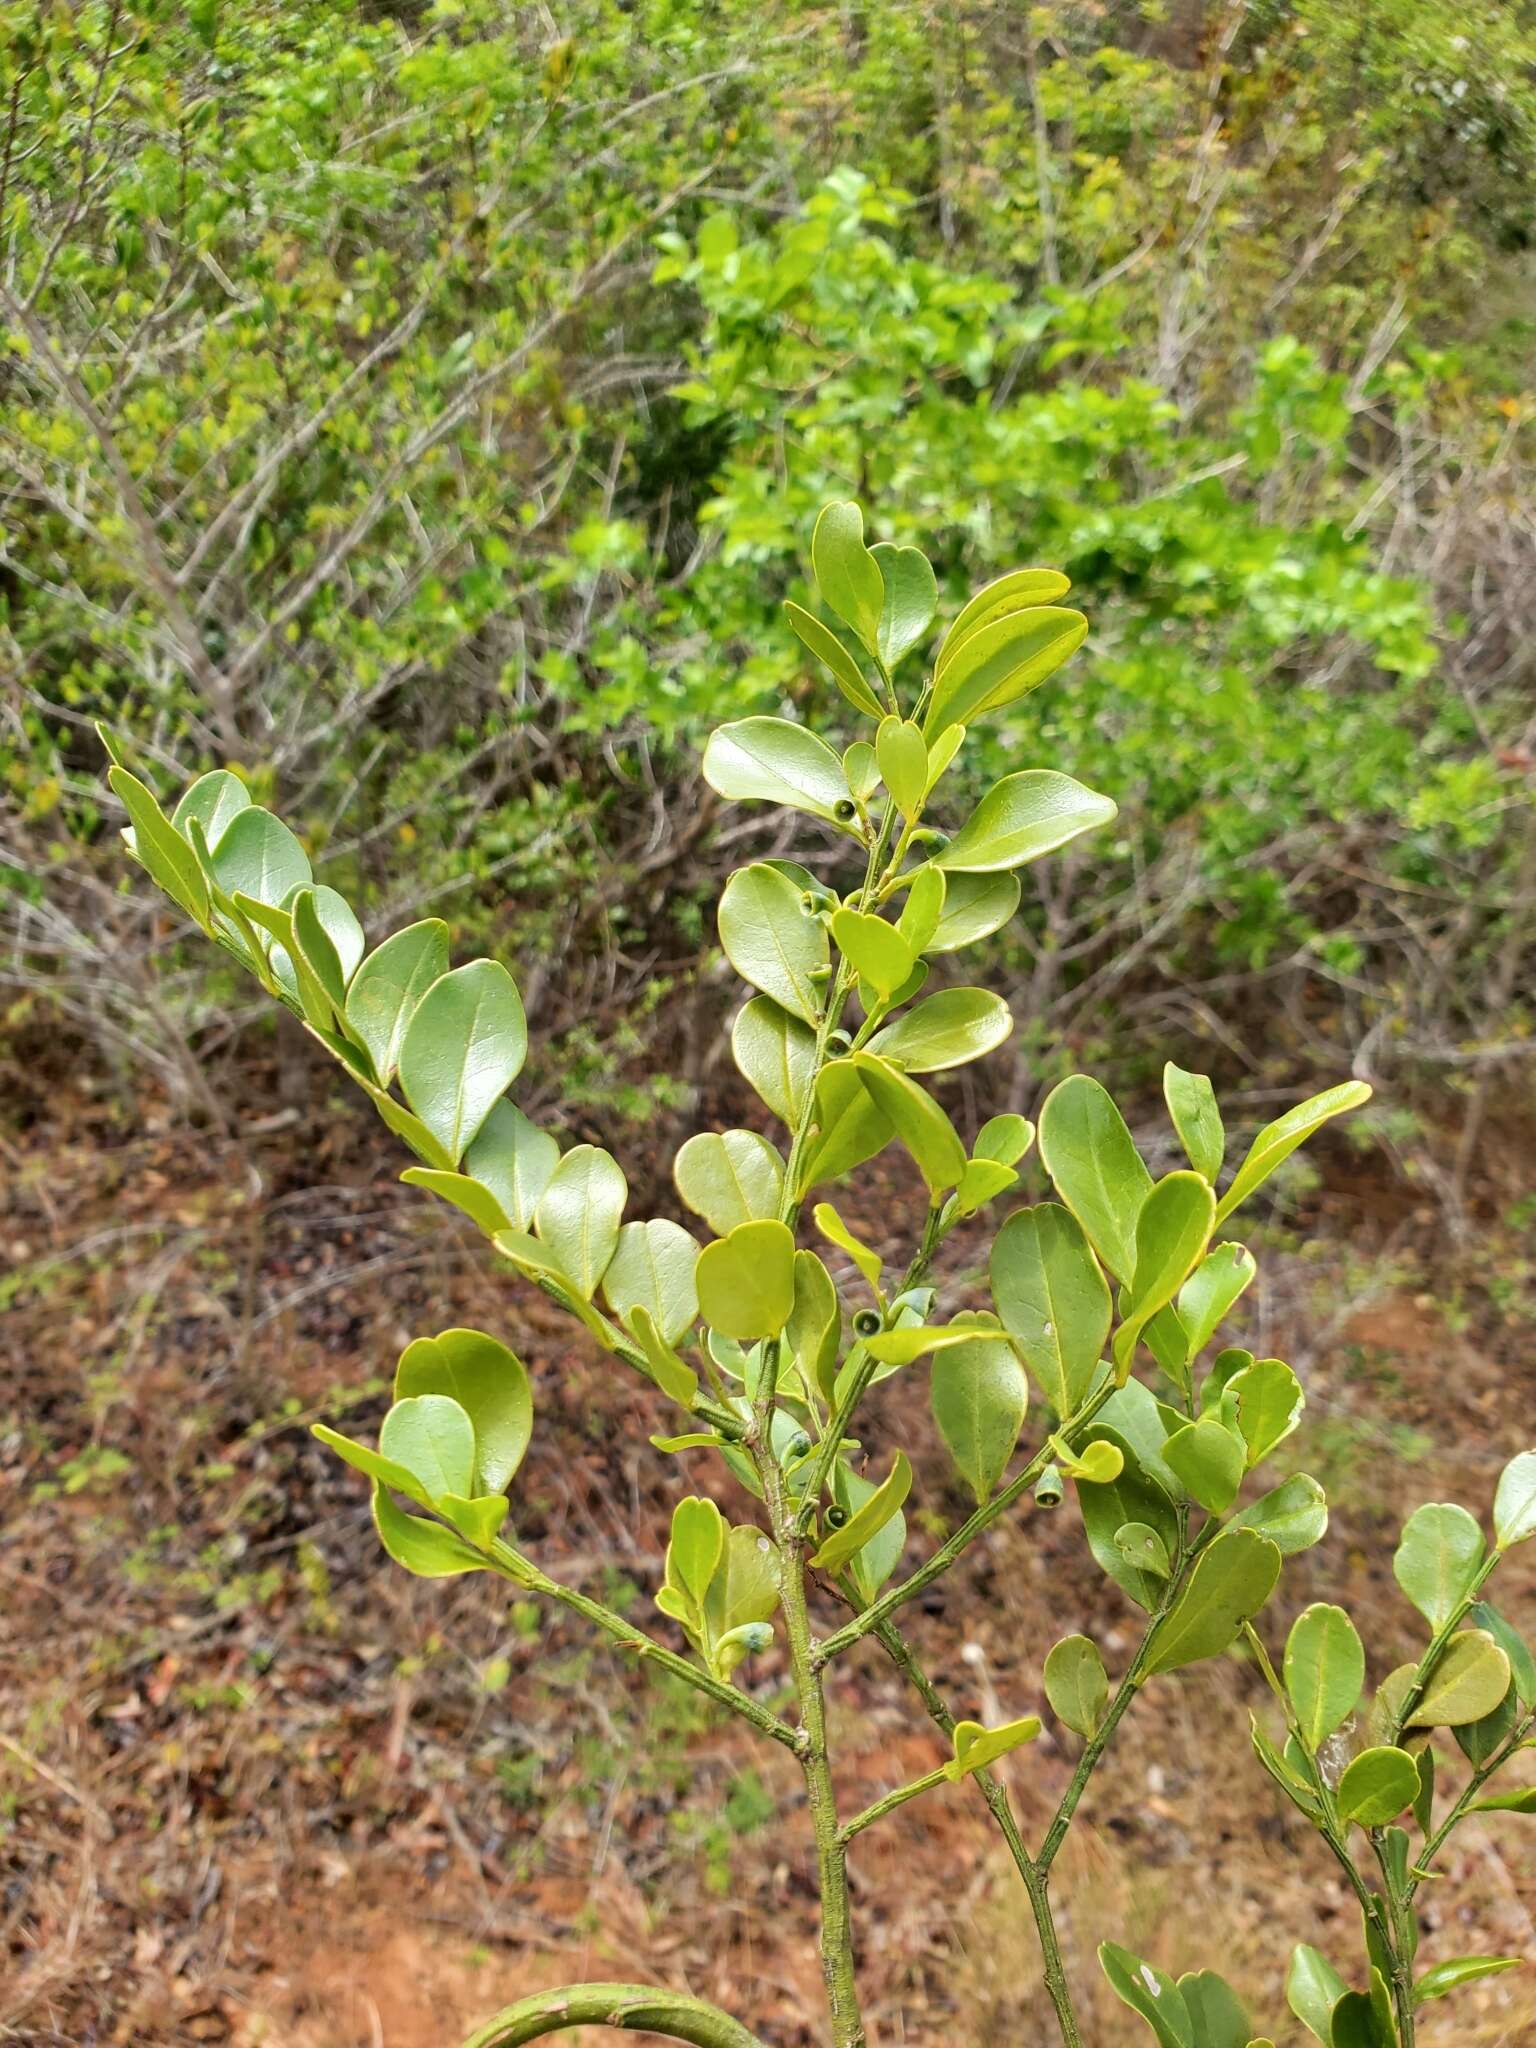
<point>491,1385</point>
<point>1022,818</point>
<point>729,1177</point>
<point>1095,1168</point>
<point>774,761</point>
<point>1076,1684</point>
<point>746,1281</point>
<point>1053,1301</point>
<point>945,1030</point>
<point>1228,1586</point>
<point>1324,1671</point>
<point>980,1399</point>
<point>466,1041</point>
<point>1438,1559</point>
<point>772,941</point>
<point>578,1215</point>
<point>385,990</point>
<point>653,1268</point>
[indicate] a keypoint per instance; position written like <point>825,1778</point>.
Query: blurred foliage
<point>424,411</point>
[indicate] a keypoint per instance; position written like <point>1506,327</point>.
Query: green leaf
<point>1324,1671</point>
<point>465,1043</point>
<point>160,848</point>
<point>849,1125</point>
<point>1000,661</point>
<point>1512,1643</point>
<point>213,800</point>
<point>1438,1560</point>
<point>1312,1989</point>
<point>908,1341</point>
<point>980,1399</point>
<point>976,1747</point>
<point>1191,1103</point>
<point>776,1054</point>
<point>924,907</point>
<point>814,1329</point>
<point>579,1213</point>
<point>875,949</point>
<point>911,599</point>
<point>1020,590</point>
<point>1208,1459</point>
<point>1172,1231</point>
<point>945,1030</point>
<point>434,1439</point>
<point>363,1458</point>
<point>1136,1417</point>
<point>386,989</point>
<point>1277,1141</point>
<point>982,1181</point>
<point>878,1558</point>
<point>1514,1505</point>
<point>1076,1684</point>
<point>840,1545</point>
<point>975,906</point>
<point>425,1549</point>
<point>746,1281</point>
<point>1216,2013</point>
<point>1096,1464</point>
<point>1004,1138</point>
<point>917,1119</point>
<point>847,574</point>
<point>478,1520</point>
<point>514,1159</point>
<point>1132,1497</point>
<point>653,1268</point>
<point>1229,1584</point>
<point>1469,1679</point>
<point>774,761</point>
<point>1207,1296</point>
<point>1053,1301</point>
<point>696,1547</point>
<point>677,1380</point>
<point>477,1202</point>
<point>1450,1976</point>
<point>827,648</point>
<point>1095,1168</point>
<point>338,920</point>
<point>729,1177</point>
<point>1521,1801</point>
<point>773,941</point>
<point>864,1257</point>
<point>1150,1993</point>
<point>1376,1786</point>
<point>259,857</point>
<point>318,953</point>
<point>1022,818</point>
<point>491,1385</point>
<point>902,754</point>
<point>745,1586</point>
<point>1143,1549</point>
<point>1269,1404</point>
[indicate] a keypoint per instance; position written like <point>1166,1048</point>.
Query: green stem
<point>881,1807</point>
<point>1517,1737</point>
<point>633,2008</point>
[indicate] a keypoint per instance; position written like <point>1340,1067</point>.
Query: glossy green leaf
<point>1216,2013</point>
<point>465,1043</point>
<point>746,1281</point>
<point>849,1125</point>
<point>1095,1168</point>
<point>836,1231</point>
<point>1022,818</point>
<point>1005,1138</point>
<point>475,1200</point>
<point>259,857</point>
<point>1001,660</point>
<point>729,1177</point>
<point>1076,1684</point>
<point>1509,1639</point>
<point>902,754</point>
<point>976,1747</point>
<point>696,1547</point>
<point>434,1439</point>
<point>1020,590</point>
<point>213,800</point>
<point>924,907</point>
<point>945,1030</point>
<point>847,574</point>
<point>160,848</point>
<point>1172,1231</point>
<point>1207,1296</point>
<point>861,768</point>
<point>410,1128</point>
<point>874,949</point>
<point>827,648</point>
<point>1312,1989</point>
<point>1229,1584</point>
<point>771,760</point>
<point>653,1267</point>
<point>911,599</point>
<point>363,1458</point>
<point>878,1558</point>
<point>1470,1678</point>
<point>1132,1497</point>
<point>676,1379</point>
<point>338,920</point>
<point>982,1181</point>
<point>975,906</point>
<point>814,1329</point>
<point>1376,1786</point>
<point>579,1212</point>
<point>426,1549</point>
<point>1149,1992</point>
<point>773,941</point>
<point>908,1341</point>
<point>980,1399</point>
<point>917,1120</point>
<point>384,992</point>
<point>776,1054</point>
<point>1139,1419</point>
<point>318,950</point>
<point>1522,1800</point>
<point>491,1385</point>
<point>1514,1504</point>
<point>1053,1301</point>
<point>478,1520</point>
<point>745,1585</point>
<point>1191,1104</point>
<point>840,1545</point>
<point>1143,1549</point>
<point>1450,1976</point>
<point>514,1159</point>
<point>1438,1560</point>
<point>1277,1141</point>
<point>1208,1459</point>
<point>1269,1404</point>
<point>1324,1671</point>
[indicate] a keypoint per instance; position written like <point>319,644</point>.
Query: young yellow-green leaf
<point>696,1547</point>
<point>465,1043</point>
<point>1376,1786</point>
<point>1438,1559</point>
<point>410,1128</point>
<point>1208,1459</point>
<point>160,848</point>
<point>772,760</point>
<point>259,857</point>
<point>1207,1296</point>
<point>579,1213</point>
<point>840,1545</point>
<point>945,1030</point>
<point>434,1439</point>
<point>773,941</point>
<point>1324,1671</point>
<point>1005,1138</point>
<point>903,757</point>
<point>1172,1231</point>
<point>980,1399</point>
<point>363,1458</point>
<point>911,599</point>
<point>514,1159</point>
<point>477,1520</point>
<point>875,949</point>
<point>827,648</point>
<point>1150,1993</point>
<point>476,1201</point>
<point>815,1325</point>
<point>836,1231</point>
<point>1020,590</point>
<point>1469,1680</point>
<point>908,1341</point>
<point>875,1560</point>
<point>1277,1141</point>
<point>491,1385</point>
<point>1450,1976</point>
<point>425,1549</point>
<point>942,752</point>
<point>1000,661</point>
<point>975,906</point>
<point>745,1586</point>
<point>920,915</point>
<point>847,574</point>
<point>1521,1801</point>
<point>384,992</point>
<point>976,1747</point>
<point>1098,1463</point>
<point>746,1281</point>
<point>861,769</point>
<point>982,1181</point>
<point>917,1119</point>
<point>1514,1504</point>
<point>849,1125</point>
<point>653,1268</point>
<point>1191,1103</point>
<point>1312,1989</point>
<point>1022,818</point>
<point>1230,1583</point>
<point>1269,1404</point>
<point>676,1379</point>
<point>1076,1684</point>
<point>1095,1168</point>
<point>776,1053</point>
<point>1053,1300</point>
<point>729,1177</point>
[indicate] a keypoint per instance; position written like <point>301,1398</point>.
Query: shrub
<point>1101,1342</point>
